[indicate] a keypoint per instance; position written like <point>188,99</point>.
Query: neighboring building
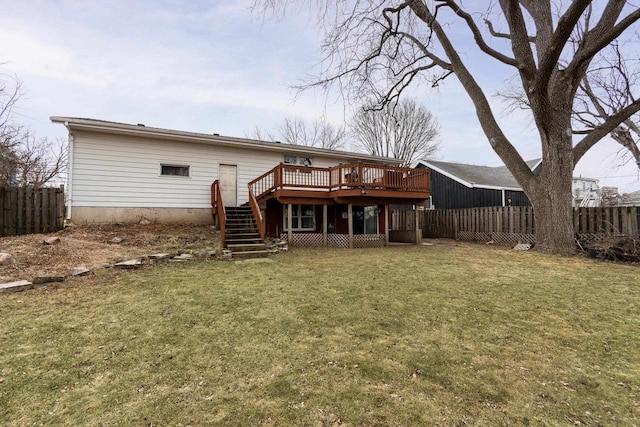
<point>459,186</point>
<point>586,192</point>
<point>122,172</point>
<point>631,199</point>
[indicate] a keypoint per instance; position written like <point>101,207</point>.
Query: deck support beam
<point>350,219</point>
<point>324,225</point>
<point>386,224</point>
<point>418,236</point>
<point>289,223</point>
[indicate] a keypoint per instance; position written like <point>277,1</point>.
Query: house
<point>630,199</point>
<point>459,186</point>
<point>124,172</point>
<point>586,192</point>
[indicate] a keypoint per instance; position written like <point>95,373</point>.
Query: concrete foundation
<point>88,215</point>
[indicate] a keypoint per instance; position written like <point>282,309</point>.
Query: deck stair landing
<point>242,236</point>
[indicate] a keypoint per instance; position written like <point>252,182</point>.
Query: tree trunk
<point>554,222</point>
<point>551,196</point>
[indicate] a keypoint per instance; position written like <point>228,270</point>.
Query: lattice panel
<point>498,238</point>
<point>368,240</point>
<point>305,240</point>
<point>513,238</point>
<point>315,240</point>
<point>338,240</point>
<point>473,236</point>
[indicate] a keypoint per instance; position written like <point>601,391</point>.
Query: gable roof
<point>491,177</point>
<point>103,126</point>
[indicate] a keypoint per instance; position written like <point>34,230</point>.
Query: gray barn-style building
<point>460,186</point>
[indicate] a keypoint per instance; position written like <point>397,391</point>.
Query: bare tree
<point>606,89</point>
<point>261,135</point>
<point>382,48</point>
<point>24,159</point>
<point>405,131</point>
<point>296,131</point>
<point>39,160</point>
<point>10,134</point>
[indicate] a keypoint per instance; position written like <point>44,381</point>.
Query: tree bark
<point>552,198</point>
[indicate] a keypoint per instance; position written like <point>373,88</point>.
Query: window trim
<point>174,165</point>
<point>285,218</point>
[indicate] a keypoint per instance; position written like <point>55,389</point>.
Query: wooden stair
<point>242,236</point>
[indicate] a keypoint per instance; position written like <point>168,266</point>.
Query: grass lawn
<point>439,335</point>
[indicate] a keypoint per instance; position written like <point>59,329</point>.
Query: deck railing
<point>340,177</point>
<point>218,209</point>
<point>255,209</point>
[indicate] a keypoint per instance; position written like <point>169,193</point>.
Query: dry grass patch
<point>396,336</point>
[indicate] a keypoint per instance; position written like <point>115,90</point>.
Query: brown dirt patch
<point>89,246</point>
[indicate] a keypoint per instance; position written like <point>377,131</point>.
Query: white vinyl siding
<point>123,171</point>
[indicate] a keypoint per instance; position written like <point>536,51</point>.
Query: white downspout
<point>69,172</point>
<point>503,199</point>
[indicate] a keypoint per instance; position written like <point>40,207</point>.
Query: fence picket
<point>634,220</point>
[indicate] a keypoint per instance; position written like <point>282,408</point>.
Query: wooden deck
<point>358,183</point>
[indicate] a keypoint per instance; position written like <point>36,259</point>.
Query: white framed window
<point>175,170</point>
<point>303,218</point>
<point>295,160</point>
<point>290,160</point>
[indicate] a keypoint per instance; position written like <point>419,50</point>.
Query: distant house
<point>631,199</point>
<point>459,186</point>
<point>586,192</point>
<point>122,172</point>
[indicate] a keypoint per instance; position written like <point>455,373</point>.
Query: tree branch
<point>520,41</point>
<point>559,38</point>
<point>494,33</point>
<point>598,38</point>
<point>477,36</point>
<point>498,140</point>
<point>602,130</point>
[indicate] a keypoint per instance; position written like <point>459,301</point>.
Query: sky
<point>219,67</point>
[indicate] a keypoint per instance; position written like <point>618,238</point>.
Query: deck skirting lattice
<point>316,240</point>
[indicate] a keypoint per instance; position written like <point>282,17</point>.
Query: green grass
<point>397,336</point>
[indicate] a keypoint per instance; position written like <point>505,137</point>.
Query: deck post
<point>418,236</point>
<point>289,223</point>
<point>350,220</point>
<point>386,225</point>
<point>324,225</point>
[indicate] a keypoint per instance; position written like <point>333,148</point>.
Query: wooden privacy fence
<point>508,224</point>
<point>513,224</point>
<point>26,210</point>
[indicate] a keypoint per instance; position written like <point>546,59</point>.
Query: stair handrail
<point>267,182</point>
<point>257,214</point>
<point>218,206</point>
